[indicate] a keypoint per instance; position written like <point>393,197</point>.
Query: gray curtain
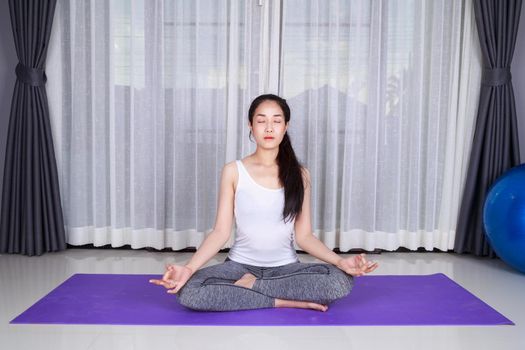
<point>495,146</point>
<point>31,221</point>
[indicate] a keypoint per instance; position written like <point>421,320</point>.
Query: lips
<point>269,138</point>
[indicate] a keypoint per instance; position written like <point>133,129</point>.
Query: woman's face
<point>268,125</point>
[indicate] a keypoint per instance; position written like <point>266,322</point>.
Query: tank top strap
<point>243,180</point>
<point>247,180</point>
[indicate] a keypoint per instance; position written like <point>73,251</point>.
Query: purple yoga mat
<point>375,300</point>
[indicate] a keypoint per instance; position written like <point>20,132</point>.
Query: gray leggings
<point>212,288</point>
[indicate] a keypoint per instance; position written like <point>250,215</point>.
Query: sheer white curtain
<point>148,101</point>
<point>384,95</point>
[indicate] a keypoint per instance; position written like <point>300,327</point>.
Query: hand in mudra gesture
<point>174,279</point>
<point>357,265</point>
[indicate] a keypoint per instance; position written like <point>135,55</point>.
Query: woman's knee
<point>341,282</point>
<point>188,297</point>
<point>336,282</point>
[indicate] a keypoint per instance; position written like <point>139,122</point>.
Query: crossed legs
<point>233,286</point>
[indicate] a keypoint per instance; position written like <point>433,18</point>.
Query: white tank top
<point>262,238</point>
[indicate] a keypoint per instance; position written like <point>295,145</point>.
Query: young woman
<point>268,192</point>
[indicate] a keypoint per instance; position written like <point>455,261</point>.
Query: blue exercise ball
<point>504,217</point>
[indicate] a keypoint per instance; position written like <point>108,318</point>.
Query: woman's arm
<point>223,222</point>
<point>303,229</point>
<point>176,276</point>
<point>355,266</point>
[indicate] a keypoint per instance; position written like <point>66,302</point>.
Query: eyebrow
<point>264,115</point>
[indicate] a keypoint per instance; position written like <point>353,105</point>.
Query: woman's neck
<point>265,157</point>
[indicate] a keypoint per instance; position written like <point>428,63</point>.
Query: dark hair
<point>290,170</point>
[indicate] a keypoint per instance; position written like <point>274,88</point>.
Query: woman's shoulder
<point>305,171</point>
<point>230,173</point>
<point>306,176</point>
<point>230,168</point>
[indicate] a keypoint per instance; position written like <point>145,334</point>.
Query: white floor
<point>24,280</point>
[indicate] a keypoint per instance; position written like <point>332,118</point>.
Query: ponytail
<point>290,170</point>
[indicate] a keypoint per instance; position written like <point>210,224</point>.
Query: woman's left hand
<point>357,265</point>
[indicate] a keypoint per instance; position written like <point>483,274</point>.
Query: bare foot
<point>300,304</point>
<point>246,281</point>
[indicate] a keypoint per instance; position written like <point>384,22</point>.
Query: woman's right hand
<point>174,278</point>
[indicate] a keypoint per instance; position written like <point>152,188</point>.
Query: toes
<point>318,307</point>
